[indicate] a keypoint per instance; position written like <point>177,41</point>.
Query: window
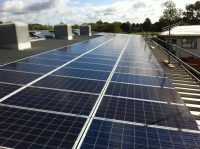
<point>190,43</point>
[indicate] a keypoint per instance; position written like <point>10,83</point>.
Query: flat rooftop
<point>107,92</point>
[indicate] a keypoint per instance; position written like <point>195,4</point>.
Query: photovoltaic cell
<point>59,101</point>
<point>66,83</point>
<point>81,73</point>
<point>55,57</point>
<point>28,67</point>
<point>106,134</point>
<point>22,129</point>
<point>146,112</point>
<point>140,65</point>
<point>96,61</point>
<point>17,77</point>
<point>90,66</point>
<point>103,56</point>
<point>143,92</point>
<point>6,89</point>
<point>139,71</point>
<point>144,80</point>
<point>43,62</point>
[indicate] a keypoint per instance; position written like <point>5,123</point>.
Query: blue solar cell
<point>29,129</point>
<point>105,134</point>
<point>80,73</point>
<point>139,65</point>
<point>65,58</point>
<point>90,66</point>
<point>28,67</point>
<point>17,77</point>
<point>59,101</point>
<point>144,80</point>
<point>140,71</point>
<point>6,89</point>
<point>103,56</point>
<point>96,61</point>
<point>163,114</point>
<point>71,84</point>
<point>143,92</point>
<point>43,61</point>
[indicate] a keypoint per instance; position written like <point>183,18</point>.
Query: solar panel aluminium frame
<point>51,72</point>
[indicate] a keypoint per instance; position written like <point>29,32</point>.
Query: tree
<point>170,13</point>
<point>40,27</point>
<point>126,27</point>
<point>147,26</point>
<point>116,27</point>
<point>75,26</point>
<point>157,27</point>
<point>192,13</point>
<point>99,22</point>
<point>133,27</point>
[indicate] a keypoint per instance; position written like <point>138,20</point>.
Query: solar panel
<point>55,57</point>
<point>106,134</point>
<point>6,89</point>
<point>59,101</point>
<point>90,74</point>
<point>142,92</point>
<point>28,67</point>
<point>143,80</point>
<point>107,92</point>
<point>140,71</point>
<point>17,77</point>
<point>164,114</point>
<point>74,84</point>
<point>43,61</point>
<point>90,66</point>
<point>30,129</point>
<point>96,61</point>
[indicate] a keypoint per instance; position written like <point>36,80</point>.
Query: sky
<point>83,11</point>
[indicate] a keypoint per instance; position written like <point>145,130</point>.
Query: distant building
<point>186,37</point>
<point>63,31</point>
<point>14,35</point>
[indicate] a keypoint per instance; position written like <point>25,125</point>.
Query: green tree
<point>157,27</point>
<point>99,22</point>
<point>75,26</point>
<point>192,13</point>
<point>147,26</point>
<point>116,27</point>
<point>126,27</point>
<point>133,27</point>
<point>171,14</point>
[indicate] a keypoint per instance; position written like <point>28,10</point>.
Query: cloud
<point>38,6</point>
<point>138,5</point>
<point>76,11</point>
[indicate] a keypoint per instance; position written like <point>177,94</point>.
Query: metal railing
<point>175,53</point>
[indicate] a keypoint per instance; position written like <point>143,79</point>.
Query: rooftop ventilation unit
<point>63,31</point>
<point>86,30</point>
<point>14,35</point>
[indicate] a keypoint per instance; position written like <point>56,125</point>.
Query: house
<point>186,37</point>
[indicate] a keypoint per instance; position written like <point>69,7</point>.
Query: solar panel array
<point>108,92</point>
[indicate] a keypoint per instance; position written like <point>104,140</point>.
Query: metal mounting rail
<point>192,71</point>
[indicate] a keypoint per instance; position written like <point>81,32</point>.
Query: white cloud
<point>54,11</point>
